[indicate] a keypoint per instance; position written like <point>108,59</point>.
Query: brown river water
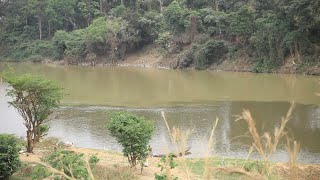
<point>190,99</point>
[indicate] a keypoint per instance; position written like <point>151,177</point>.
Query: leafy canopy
<point>35,93</point>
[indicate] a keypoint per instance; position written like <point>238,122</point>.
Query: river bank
<point>149,57</point>
<point>113,164</point>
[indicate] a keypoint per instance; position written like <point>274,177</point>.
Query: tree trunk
<point>296,50</point>
<point>161,5</point>
<point>122,2</point>
<point>40,27</point>
<point>29,141</point>
<point>49,28</point>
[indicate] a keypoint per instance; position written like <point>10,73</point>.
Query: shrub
<point>9,156</point>
<point>35,58</point>
<point>71,163</point>
<point>210,52</point>
<point>133,133</point>
<point>163,42</point>
<point>163,165</point>
<point>71,44</point>
<point>40,172</point>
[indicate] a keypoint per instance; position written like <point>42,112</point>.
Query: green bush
<point>164,41</point>
<point>40,172</point>
<point>210,52</point>
<point>9,156</point>
<point>70,163</point>
<point>133,133</point>
<point>70,44</point>
<point>162,165</point>
<point>35,58</point>
<point>118,11</point>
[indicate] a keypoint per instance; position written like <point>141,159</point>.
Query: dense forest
<point>201,32</point>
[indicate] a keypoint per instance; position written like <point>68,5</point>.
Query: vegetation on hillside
<point>267,32</point>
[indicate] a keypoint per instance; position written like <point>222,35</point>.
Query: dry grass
<point>266,144</point>
<point>207,173</point>
<point>179,139</point>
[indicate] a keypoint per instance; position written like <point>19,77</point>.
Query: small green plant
<point>166,163</point>
<point>133,133</point>
<point>163,42</point>
<point>71,163</point>
<point>9,156</point>
<point>40,172</point>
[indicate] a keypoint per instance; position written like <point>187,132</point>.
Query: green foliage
<point>71,163</point>
<point>164,41</point>
<point>269,40</point>
<point>35,58</point>
<point>241,23</point>
<point>34,97</point>
<point>28,49</point>
<point>44,129</point>
<point>9,156</point>
<point>150,26</point>
<point>133,133</point>
<point>72,44</point>
<point>72,29</point>
<point>208,53</point>
<point>175,16</point>
<point>40,172</point>
<point>214,22</point>
<point>117,11</point>
<point>163,164</point>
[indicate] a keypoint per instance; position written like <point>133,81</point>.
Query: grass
<point>227,167</point>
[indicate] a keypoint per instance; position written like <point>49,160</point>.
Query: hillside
<point>257,36</point>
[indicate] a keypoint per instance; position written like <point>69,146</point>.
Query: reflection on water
<point>190,99</point>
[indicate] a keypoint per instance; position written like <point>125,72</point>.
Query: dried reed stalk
<point>207,173</point>
<point>179,139</point>
<point>267,149</point>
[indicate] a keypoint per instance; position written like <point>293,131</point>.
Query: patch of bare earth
<point>148,57</point>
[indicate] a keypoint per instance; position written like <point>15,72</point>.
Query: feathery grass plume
<point>179,140</point>
<point>257,144</point>
<point>206,173</point>
<point>266,149</point>
<point>293,152</point>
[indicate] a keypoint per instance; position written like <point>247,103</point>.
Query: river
<point>190,99</point>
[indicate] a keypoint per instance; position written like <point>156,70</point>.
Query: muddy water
<point>190,99</point>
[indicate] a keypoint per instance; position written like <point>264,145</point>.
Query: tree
<point>34,97</point>
<point>242,24</point>
<point>37,9</point>
<point>174,16</point>
<point>268,39</point>
<point>133,133</point>
<point>9,156</point>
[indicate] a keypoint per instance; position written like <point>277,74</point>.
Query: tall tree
<point>34,97</point>
<point>37,9</point>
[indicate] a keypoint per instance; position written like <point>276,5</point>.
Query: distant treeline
<point>202,31</point>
